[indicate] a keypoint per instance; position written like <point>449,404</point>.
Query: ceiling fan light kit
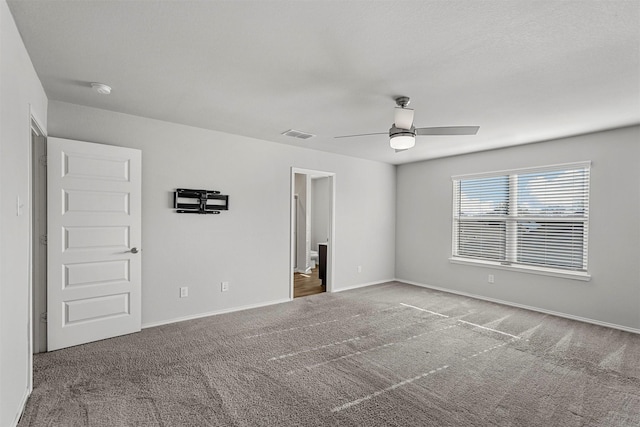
<point>402,142</point>
<point>402,139</point>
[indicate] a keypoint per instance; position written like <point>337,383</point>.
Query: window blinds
<point>481,214</point>
<point>536,217</point>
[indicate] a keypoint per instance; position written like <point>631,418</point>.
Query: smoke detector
<point>101,88</point>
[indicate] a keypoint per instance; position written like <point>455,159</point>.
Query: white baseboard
<point>526,307</point>
<point>362,285</point>
<point>23,405</point>
<point>212,313</point>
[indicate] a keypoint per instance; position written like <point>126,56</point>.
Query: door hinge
<point>43,160</point>
<point>43,239</point>
<point>43,317</point>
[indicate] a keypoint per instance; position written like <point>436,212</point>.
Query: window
<point>534,219</point>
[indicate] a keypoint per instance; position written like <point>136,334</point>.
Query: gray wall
<point>303,223</point>
<point>21,96</point>
<point>319,211</point>
<point>424,217</point>
<point>248,245</point>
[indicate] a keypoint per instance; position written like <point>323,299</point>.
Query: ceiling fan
<point>402,134</point>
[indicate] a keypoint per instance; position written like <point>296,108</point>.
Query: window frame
<point>511,220</point>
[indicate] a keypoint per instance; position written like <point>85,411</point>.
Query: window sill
<point>524,269</point>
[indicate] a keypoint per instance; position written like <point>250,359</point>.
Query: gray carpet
<point>386,355</point>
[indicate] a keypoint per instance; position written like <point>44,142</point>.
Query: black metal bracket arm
<point>186,200</point>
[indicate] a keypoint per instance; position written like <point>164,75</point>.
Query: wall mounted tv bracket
<point>186,200</point>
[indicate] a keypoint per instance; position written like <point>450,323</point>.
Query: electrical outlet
<point>359,269</point>
<point>184,292</point>
<point>224,286</point>
<point>491,279</point>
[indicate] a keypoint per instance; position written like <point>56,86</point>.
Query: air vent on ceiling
<point>298,134</point>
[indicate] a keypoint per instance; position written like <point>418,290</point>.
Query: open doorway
<point>312,231</point>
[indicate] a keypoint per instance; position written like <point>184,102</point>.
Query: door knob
<point>133,250</point>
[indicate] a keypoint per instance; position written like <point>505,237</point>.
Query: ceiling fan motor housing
<point>395,131</point>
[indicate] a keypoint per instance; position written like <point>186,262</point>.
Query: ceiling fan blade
<point>362,134</point>
<point>403,118</point>
<point>448,130</point>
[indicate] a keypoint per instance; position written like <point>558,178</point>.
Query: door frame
<point>35,129</point>
<point>332,218</point>
<point>38,203</point>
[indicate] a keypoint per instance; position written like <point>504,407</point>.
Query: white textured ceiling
<point>523,71</point>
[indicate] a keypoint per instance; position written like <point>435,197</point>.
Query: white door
<point>93,244</point>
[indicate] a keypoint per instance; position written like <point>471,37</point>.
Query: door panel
<point>94,208</point>
<point>92,273</point>
<point>88,309</point>
<point>84,238</point>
